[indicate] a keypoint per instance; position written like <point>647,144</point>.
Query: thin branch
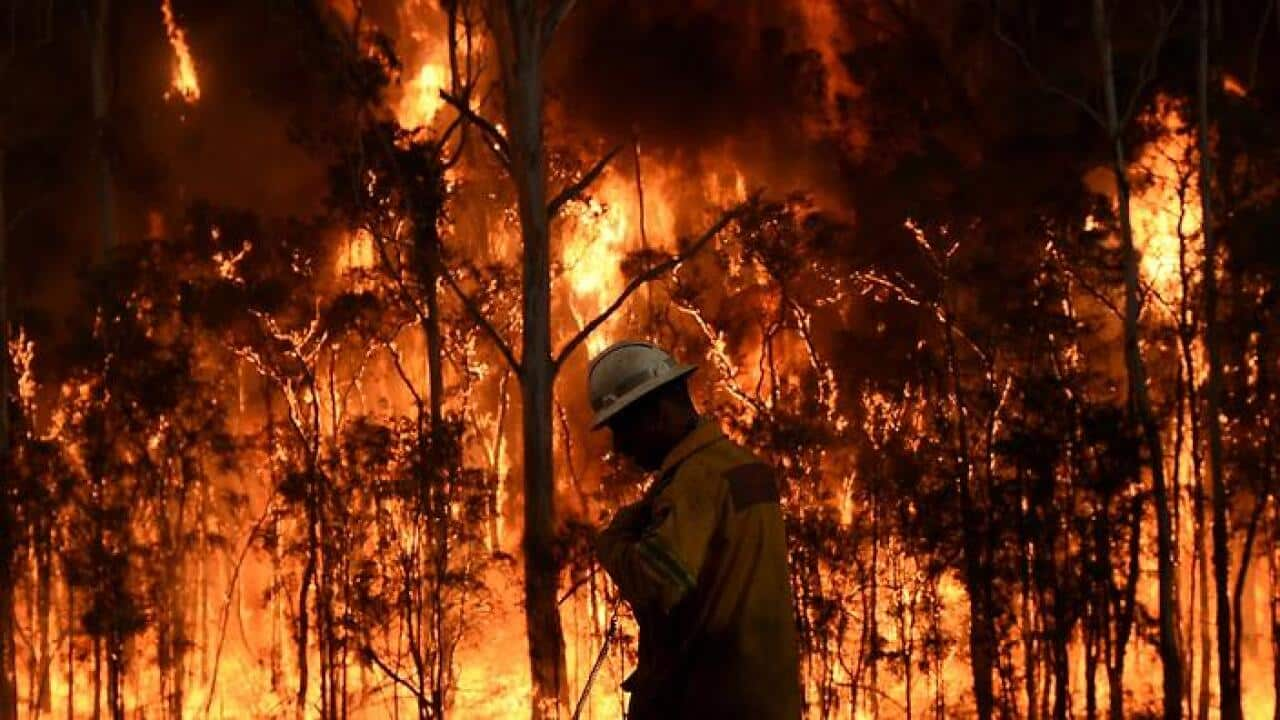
<point>574,189</point>
<point>645,277</point>
<point>1257,45</point>
<point>398,363</point>
<point>644,233</point>
<point>1151,63</point>
<point>552,19</point>
<point>577,584</point>
<point>907,293</point>
<point>483,321</point>
<point>394,676</point>
<point>498,140</point>
<point>1039,76</point>
<point>396,272</point>
<point>226,605</point>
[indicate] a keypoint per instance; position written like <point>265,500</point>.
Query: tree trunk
<point>8,522</point>
<point>101,78</point>
<point>522,83</point>
<point>977,576</point>
<point>44,610</point>
<point>1125,608</point>
<point>71,647</point>
<point>429,243</point>
<point>1139,399</point>
<point>1228,676</point>
<point>1198,624</point>
<point>873,613</point>
<point>1274,561</point>
<point>97,677</point>
<point>8,648</point>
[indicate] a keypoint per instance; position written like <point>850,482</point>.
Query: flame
<point>1166,207</point>
<point>426,50</point>
<point>185,82</point>
<point>421,100</point>
<point>358,253</point>
<point>750,378</point>
<point>1231,85</point>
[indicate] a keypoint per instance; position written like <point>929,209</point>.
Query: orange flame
<point>185,82</point>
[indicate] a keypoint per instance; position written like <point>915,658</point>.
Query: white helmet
<point>627,371</point>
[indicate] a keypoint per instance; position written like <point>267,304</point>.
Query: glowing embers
<point>185,83</point>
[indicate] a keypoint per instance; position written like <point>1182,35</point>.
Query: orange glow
<point>1233,86</point>
<point>421,100</point>
<point>1166,209</point>
<point>766,360</point>
<point>185,82</point>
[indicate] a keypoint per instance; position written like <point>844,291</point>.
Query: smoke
<point>705,82</point>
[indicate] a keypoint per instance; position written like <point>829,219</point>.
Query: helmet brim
<point>603,416</point>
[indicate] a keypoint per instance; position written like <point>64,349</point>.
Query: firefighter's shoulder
<point>748,480</point>
<point>696,483</point>
<point>751,482</point>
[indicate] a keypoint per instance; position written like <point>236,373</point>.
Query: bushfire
<point>306,434</point>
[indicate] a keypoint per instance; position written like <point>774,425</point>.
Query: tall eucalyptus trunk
<point>1228,673</point>
<point>1136,370</point>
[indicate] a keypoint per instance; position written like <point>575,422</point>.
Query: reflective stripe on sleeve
<point>665,564</point>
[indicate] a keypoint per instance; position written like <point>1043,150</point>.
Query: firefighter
<point>701,558</point>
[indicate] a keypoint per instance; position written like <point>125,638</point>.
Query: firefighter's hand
<point>631,519</point>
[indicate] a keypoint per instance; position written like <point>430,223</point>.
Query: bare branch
<point>552,19</point>
<point>645,277</point>
<point>1257,45</point>
<point>574,189</point>
<point>498,140</point>
<point>907,293</point>
<point>644,234</point>
<point>1150,63</point>
<point>394,676</point>
<point>396,273</point>
<point>483,321</point>
<point>231,587</point>
<point>1039,76</point>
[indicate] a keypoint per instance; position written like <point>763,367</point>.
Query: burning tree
<point>1002,323</point>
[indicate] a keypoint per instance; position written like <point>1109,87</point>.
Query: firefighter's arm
<point>654,558</point>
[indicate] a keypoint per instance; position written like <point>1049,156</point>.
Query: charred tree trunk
<point>100,75</point>
<point>1228,676</point>
<point>1122,604</point>
<point>873,613</point>
<point>521,51</point>
<point>1139,398</point>
<point>304,590</point>
<point>97,677</point>
<point>44,610</point>
<point>1274,562</point>
<point>8,647</point>
<point>71,646</point>
<point>441,659</point>
<point>1198,624</point>
<point>8,520</point>
<point>976,569</point>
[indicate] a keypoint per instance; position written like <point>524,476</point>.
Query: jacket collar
<point>706,433</point>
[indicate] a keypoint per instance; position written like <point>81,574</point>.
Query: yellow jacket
<point>702,561</point>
